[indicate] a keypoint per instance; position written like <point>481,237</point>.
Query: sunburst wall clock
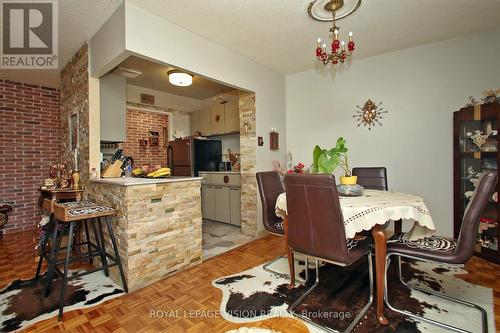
<point>370,114</point>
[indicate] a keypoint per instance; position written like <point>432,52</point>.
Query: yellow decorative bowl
<point>352,180</point>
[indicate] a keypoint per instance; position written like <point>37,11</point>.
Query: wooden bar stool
<point>73,213</point>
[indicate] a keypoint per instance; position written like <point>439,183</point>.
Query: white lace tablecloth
<point>378,207</point>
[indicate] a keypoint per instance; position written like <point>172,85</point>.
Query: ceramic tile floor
<point>220,237</point>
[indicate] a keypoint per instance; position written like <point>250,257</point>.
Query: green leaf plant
<point>326,161</point>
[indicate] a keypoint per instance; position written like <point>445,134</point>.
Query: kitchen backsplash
<point>139,123</point>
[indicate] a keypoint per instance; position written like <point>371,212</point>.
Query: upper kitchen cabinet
<point>113,95</point>
<point>218,116</point>
<point>205,121</point>
<point>194,119</point>
<point>232,115</point>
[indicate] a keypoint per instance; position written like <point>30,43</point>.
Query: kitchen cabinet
<point>232,115</point>
<point>113,96</point>
<point>235,203</point>
<point>221,197</point>
<point>194,121</point>
<point>218,117</point>
<point>222,207</point>
<point>208,202</point>
<point>206,121</point>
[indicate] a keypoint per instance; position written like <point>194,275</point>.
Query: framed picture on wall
<point>147,99</point>
<point>73,131</point>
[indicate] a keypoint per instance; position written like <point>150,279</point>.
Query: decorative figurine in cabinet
<point>476,149</point>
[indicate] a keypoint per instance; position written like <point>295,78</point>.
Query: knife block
<point>113,171</point>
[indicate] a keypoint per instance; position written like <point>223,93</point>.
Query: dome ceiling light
<point>180,79</point>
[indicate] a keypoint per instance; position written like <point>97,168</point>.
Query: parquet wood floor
<point>186,291</point>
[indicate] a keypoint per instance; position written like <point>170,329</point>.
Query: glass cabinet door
<point>478,153</point>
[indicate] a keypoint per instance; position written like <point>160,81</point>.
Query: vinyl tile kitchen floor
<point>220,237</point>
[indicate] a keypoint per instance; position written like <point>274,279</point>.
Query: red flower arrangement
<point>298,168</point>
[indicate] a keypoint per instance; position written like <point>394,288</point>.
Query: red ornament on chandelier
<point>338,47</point>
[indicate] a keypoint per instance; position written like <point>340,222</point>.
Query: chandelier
<point>340,51</point>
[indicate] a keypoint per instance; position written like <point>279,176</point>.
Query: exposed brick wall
<point>139,123</point>
<point>30,141</point>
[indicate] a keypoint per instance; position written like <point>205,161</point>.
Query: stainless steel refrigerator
<point>189,156</point>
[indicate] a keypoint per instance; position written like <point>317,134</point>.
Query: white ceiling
<point>154,76</point>
<point>78,21</point>
<point>280,34</point>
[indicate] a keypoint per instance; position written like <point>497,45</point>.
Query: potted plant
<point>326,161</point>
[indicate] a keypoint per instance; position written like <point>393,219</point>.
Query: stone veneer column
<point>75,100</point>
<point>248,156</point>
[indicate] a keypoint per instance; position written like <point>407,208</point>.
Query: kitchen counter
<point>157,226</point>
<point>134,181</point>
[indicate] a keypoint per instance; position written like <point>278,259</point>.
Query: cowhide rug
<point>22,302</point>
<point>255,295</point>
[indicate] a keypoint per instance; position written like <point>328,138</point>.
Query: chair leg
<point>87,235</point>
<point>431,292</point>
<point>307,269</point>
<point>284,275</point>
<point>117,253</point>
<point>43,249</point>
<point>40,260</point>
<point>64,281</point>
<point>363,311</point>
<point>308,291</point>
<point>102,246</point>
<point>265,267</point>
<point>291,266</point>
<point>53,257</point>
<point>398,226</point>
<point>360,315</point>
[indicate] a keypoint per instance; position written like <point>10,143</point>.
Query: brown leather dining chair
<point>316,230</point>
<point>372,178</point>
<point>270,187</point>
<point>375,178</point>
<point>443,250</point>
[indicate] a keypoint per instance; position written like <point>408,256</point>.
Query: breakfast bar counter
<point>158,225</point>
<point>134,181</point>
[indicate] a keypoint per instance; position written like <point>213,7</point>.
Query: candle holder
<point>76,177</point>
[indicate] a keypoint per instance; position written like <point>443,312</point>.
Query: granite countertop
<point>132,181</point>
<point>228,172</point>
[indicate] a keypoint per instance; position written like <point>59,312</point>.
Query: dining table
<point>371,211</point>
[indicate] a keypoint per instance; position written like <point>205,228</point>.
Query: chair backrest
<point>270,187</point>
<point>475,209</point>
<point>372,178</point>
<point>315,221</point>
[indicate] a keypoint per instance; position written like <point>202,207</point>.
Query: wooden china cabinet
<point>476,149</point>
